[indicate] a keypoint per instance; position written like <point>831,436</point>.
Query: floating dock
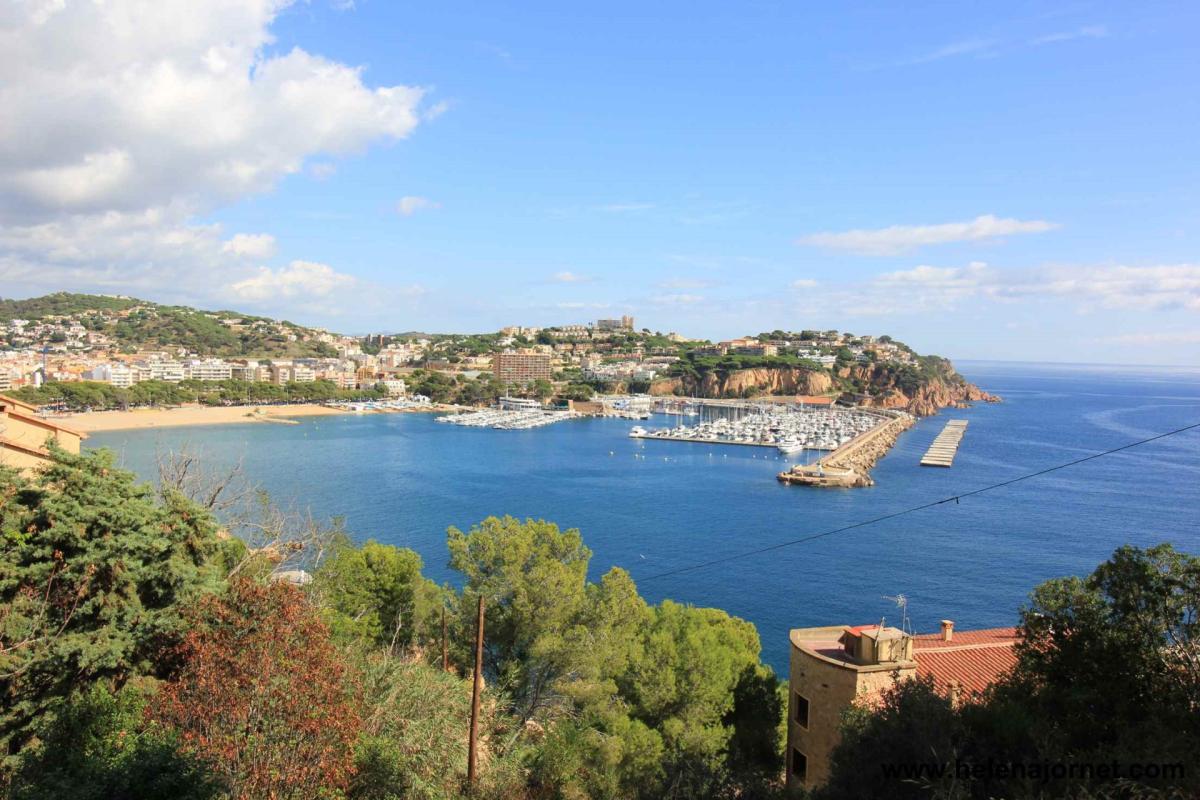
<point>941,453</point>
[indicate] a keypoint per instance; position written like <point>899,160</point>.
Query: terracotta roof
<point>857,630</point>
<point>6,400</point>
<point>23,411</point>
<point>972,659</point>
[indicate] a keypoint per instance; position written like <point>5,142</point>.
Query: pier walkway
<point>941,453</point>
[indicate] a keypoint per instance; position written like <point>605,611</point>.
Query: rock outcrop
<point>882,389</point>
<point>885,385</point>
<point>747,383</point>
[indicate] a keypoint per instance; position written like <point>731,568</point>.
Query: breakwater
<point>850,465</point>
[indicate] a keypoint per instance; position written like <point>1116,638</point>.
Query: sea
<point>655,507</point>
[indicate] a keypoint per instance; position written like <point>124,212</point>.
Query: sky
<point>1007,180</point>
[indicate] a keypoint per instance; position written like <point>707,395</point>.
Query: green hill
<point>133,324</point>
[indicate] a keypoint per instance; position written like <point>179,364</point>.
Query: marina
<point>941,453</point>
<point>508,420</point>
<point>787,429</point>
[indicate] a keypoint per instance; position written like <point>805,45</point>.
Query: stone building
<point>835,666</point>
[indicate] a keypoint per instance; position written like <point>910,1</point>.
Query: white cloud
<point>965,47</point>
<point>925,288</point>
<point>623,207</point>
<point>124,120</point>
<point>411,204</point>
<point>297,279</point>
<point>899,239</point>
<point>251,245</point>
<point>1086,32</point>
<point>680,299</point>
<point>567,276</point>
<point>804,283</point>
<point>686,283</point>
<point>1166,337</point>
<point>322,170</point>
<point>574,305</point>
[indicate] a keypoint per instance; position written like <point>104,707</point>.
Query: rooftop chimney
<point>947,630</point>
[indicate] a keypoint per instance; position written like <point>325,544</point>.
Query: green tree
<point>532,577</point>
<point>101,747</point>
<point>93,574</point>
<point>376,593</point>
<point>1111,663</point>
<point>637,701</point>
<point>911,724</point>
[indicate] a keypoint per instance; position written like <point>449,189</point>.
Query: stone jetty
<point>850,465</point>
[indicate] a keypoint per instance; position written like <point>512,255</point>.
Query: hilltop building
<point>23,435</point>
<point>625,323</point>
<point>834,666</point>
<point>521,368</point>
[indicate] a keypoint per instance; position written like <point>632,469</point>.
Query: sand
<point>188,415</point>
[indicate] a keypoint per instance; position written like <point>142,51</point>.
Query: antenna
<point>902,603</point>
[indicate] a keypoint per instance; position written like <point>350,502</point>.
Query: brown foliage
<point>263,695</point>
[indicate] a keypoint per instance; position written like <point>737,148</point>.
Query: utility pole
<point>473,739</point>
<point>445,651</point>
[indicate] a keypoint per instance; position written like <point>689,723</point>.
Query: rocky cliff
<point>918,391</point>
<point>746,383</point>
<point>887,387</point>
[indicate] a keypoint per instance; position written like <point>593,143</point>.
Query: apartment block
<point>522,368</point>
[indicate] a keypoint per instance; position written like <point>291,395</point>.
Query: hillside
<point>130,324</point>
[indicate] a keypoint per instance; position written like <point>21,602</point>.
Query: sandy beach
<point>189,415</point>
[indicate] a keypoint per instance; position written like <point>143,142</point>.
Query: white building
<point>119,375</point>
<point>395,387</point>
<point>171,371</point>
<point>210,369</point>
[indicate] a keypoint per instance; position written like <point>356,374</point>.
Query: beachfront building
<point>171,371</point>
<point>521,368</point>
<point>24,434</point>
<point>210,369</point>
<point>836,666</point>
<point>119,375</point>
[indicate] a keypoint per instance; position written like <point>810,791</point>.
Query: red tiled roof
<point>858,629</point>
<point>972,659</point>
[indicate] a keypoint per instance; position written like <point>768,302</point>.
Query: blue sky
<point>1012,181</point>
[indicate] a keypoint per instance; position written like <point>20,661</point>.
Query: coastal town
<point>89,360</point>
<point>93,344</point>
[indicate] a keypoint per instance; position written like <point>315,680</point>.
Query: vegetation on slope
<point>138,324</point>
<point>131,628</point>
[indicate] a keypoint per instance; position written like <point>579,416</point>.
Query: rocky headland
<point>919,391</point>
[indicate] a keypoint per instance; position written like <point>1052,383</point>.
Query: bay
<point>652,507</point>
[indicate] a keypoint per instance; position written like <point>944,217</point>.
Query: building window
<point>801,711</point>
<point>799,766</point>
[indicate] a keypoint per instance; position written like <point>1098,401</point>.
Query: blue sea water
<point>402,479</point>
